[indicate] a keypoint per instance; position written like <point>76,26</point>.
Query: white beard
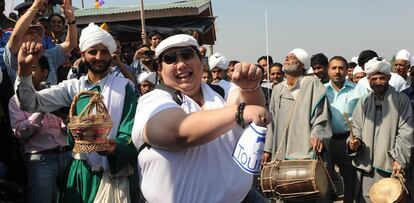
<point>292,69</point>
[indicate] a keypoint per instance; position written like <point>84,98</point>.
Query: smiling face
<point>185,73</point>
<point>56,24</point>
<point>276,74</point>
<point>98,59</point>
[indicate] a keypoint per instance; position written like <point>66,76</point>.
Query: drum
<point>388,190</point>
<point>294,180</point>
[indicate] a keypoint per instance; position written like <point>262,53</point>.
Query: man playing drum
<point>383,128</point>
<point>300,124</point>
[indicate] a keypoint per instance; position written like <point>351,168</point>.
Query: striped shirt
<point>55,57</point>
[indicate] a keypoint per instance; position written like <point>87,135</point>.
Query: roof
<point>136,8</point>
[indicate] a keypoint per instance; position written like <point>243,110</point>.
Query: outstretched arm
<point>22,25</point>
<point>72,34</point>
<point>178,128</point>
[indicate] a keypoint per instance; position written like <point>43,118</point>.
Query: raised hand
<point>247,76</point>
<point>116,60</point>
<point>39,5</point>
<point>68,10</point>
<point>29,54</point>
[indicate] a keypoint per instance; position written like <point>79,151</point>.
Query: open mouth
<point>183,76</point>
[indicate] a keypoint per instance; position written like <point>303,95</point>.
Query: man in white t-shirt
<point>190,131</point>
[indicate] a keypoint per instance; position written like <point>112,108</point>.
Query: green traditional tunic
<point>79,183</point>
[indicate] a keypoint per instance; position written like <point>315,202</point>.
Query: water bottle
<point>249,149</point>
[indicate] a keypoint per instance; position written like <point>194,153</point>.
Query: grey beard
<point>292,69</point>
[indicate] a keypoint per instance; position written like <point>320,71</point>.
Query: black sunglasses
<point>172,56</point>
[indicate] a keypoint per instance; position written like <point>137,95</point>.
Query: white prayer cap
<point>354,59</point>
<point>180,40</point>
<point>303,57</point>
<point>404,54</point>
<point>147,76</point>
<point>218,60</point>
<point>357,69</point>
<point>375,66</point>
<point>93,35</point>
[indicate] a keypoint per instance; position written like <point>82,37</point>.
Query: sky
<point>332,27</point>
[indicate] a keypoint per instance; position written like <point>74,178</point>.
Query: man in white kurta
<point>383,128</point>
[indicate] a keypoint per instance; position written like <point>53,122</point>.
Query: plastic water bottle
<point>249,149</point>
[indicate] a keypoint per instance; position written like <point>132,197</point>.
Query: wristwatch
<point>72,23</point>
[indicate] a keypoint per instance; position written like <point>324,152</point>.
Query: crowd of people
<point>177,114</point>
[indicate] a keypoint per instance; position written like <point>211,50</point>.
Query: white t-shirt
<point>205,173</point>
<point>396,81</point>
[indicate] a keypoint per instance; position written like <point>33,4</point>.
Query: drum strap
<point>401,179</point>
<point>275,158</point>
<point>319,157</point>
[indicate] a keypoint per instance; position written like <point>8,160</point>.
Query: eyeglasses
<point>172,56</point>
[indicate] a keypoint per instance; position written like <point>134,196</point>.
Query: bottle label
<point>249,149</point>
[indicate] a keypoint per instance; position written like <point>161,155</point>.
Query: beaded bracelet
<point>239,114</point>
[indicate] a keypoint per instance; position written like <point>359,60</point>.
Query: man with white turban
<point>396,81</point>
<point>89,176</point>
<point>147,82</point>
<point>383,129</point>
<point>300,113</point>
<point>402,63</point>
<point>358,74</point>
<point>218,66</point>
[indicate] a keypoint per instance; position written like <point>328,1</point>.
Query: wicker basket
<point>92,126</point>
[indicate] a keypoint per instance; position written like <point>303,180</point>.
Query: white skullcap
<point>354,59</point>
<point>218,60</point>
<point>180,40</point>
<point>303,57</point>
<point>375,66</point>
<point>403,54</point>
<point>147,76</point>
<point>357,69</point>
<point>93,35</point>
